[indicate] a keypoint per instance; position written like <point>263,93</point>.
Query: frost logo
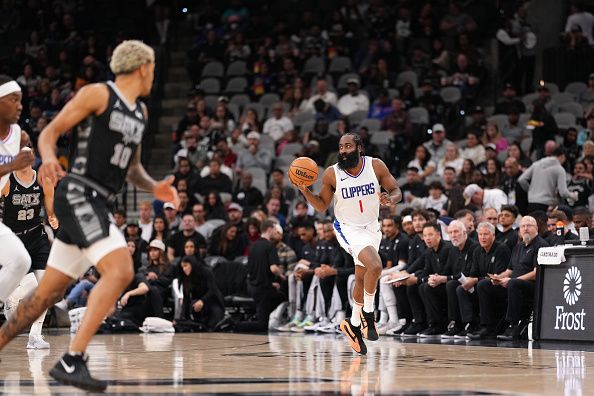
<point>572,286</point>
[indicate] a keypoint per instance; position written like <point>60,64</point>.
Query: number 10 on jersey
<point>121,156</point>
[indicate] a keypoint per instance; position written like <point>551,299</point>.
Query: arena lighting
<point>184,10</point>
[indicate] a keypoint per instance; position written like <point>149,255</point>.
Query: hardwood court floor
<point>301,364</point>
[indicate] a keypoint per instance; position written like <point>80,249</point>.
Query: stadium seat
<point>259,179</point>
<point>572,107</point>
<point>314,65</point>
<point>553,88</point>
<point>210,85</point>
<point>284,160</point>
<point>213,69</point>
<point>562,97</point>
<point>498,119</point>
<point>564,120</point>
<point>257,107</point>
<point>340,64</point>
<point>269,99</point>
<point>234,109</point>
<point>236,85</point>
<point>371,123</point>
<point>528,99</point>
<point>450,94</point>
<point>236,69</point>
<point>207,228</point>
<point>307,126</point>
<point>241,100</point>
<point>211,101</point>
<point>302,117</point>
<point>576,88</point>
<point>418,115</point>
<point>407,76</point>
<point>381,138</point>
<point>357,117</point>
<point>291,149</point>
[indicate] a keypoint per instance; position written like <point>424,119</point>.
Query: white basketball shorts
<point>353,239</point>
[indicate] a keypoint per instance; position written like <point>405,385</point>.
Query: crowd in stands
<point>482,181</point>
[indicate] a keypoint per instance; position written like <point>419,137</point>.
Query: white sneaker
<point>316,326</point>
<point>329,328</point>
<point>37,342</point>
<point>391,328</point>
<point>300,328</point>
<point>289,326</point>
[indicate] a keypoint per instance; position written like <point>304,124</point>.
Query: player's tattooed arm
<point>138,176</point>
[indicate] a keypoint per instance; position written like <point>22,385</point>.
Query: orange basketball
<point>303,171</point>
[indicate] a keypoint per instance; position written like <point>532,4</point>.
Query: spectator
<point>213,206</point>
<point>381,108</point>
<point>277,178</point>
<point>322,93</point>
<point>136,306</point>
<point>515,151</point>
<point>422,162</point>
<point>431,101</point>
<point>172,218</point>
<point>493,176</point>
<point>456,22</point>
<point>132,233</point>
<point>398,120</point>
<point>493,135</point>
<point>246,195</point>
<point>449,178</point>
<point>474,150</point>
<point>278,125</point>
<point>225,243</point>
<point>145,221</point>
<point>214,181</point>
<point>199,214</point>
<point>586,97</point>
<point>513,130</point>
<point>249,121</point>
<point>509,102</point>
<point>545,128</point>
<point>485,198</point>
<point>326,111</point>
<point>202,299</point>
<point>451,159</point>
<point>273,207</point>
<point>582,19</point>
<point>464,76</point>
<point>515,193</point>
<point>580,183</point>
<point>353,101</point>
<point>159,275</point>
<point>326,142</point>
<point>465,176</point>
<point>414,186</point>
<point>544,180</point>
<point>436,199</point>
<point>507,218</point>
<point>555,217</point>
<point>438,143</point>
<point>176,242</point>
<point>408,95</point>
<point>254,156</point>
<point>186,171</point>
<point>160,229</point>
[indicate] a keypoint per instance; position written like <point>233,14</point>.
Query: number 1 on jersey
<point>361,205</point>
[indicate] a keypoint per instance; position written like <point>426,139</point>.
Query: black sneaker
<point>512,333</point>
<point>432,332</point>
<point>401,330</point>
<point>461,335</point>
<point>72,370</point>
<point>353,335</point>
<point>413,330</point>
<point>368,328</point>
<point>483,333</point>
<point>453,329</point>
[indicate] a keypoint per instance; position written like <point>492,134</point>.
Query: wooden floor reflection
<point>300,364</point>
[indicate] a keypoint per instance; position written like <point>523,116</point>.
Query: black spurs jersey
<point>22,205</point>
<point>105,144</point>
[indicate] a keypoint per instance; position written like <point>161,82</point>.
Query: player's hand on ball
<point>165,191</point>
<point>50,170</point>
<point>53,222</point>
<point>385,199</point>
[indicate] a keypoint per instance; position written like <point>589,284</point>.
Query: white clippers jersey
<point>356,201</point>
<point>9,148</point>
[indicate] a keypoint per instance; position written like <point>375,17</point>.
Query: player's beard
<point>348,161</point>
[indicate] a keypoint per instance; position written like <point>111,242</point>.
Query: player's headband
<point>9,87</point>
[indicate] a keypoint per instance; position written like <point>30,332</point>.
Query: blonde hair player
<point>354,184</point>
<point>109,122</point>
<point>24,197</point>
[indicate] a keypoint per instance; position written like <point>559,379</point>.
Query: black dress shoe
<point>512,333</point>
<point>482,334</point>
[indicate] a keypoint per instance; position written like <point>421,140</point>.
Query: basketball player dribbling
<point>109,123</point>
<point>14,260</point>
<point>24,197</point>
<point>354,184</point>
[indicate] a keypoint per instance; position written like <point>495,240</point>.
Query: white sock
<point>368,302</point>
<point>37,326</point>
<point>393,313</point>
<point>384,317</point>
<point>356,314</point>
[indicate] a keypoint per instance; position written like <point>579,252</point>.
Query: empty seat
<point>269,99</point>
<point>211,101</point>
<point>291,149</point>
<point>357,117</point>
<point>381,138</point>
<point>210,85</point>
<point>314,65</point>
<point>553,88</point>
<point>236,85</point>
<point>572,107</point>
<point>564,120</point>
<point>237,68</point>
<point>307,126</point>
<point>562,97</point>
<point>213,69</point>
<point>409,76</point>
<point>576,88</point>
<point>450,94</point>
<point>371,123</point>
<point>498,119</point>
<point>340,64</point>
<point>302,117</point>
<point>418,115</point>
<point>240,100</point>
<point>528,99</point>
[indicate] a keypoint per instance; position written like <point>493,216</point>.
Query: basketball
<point>303,171</point>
